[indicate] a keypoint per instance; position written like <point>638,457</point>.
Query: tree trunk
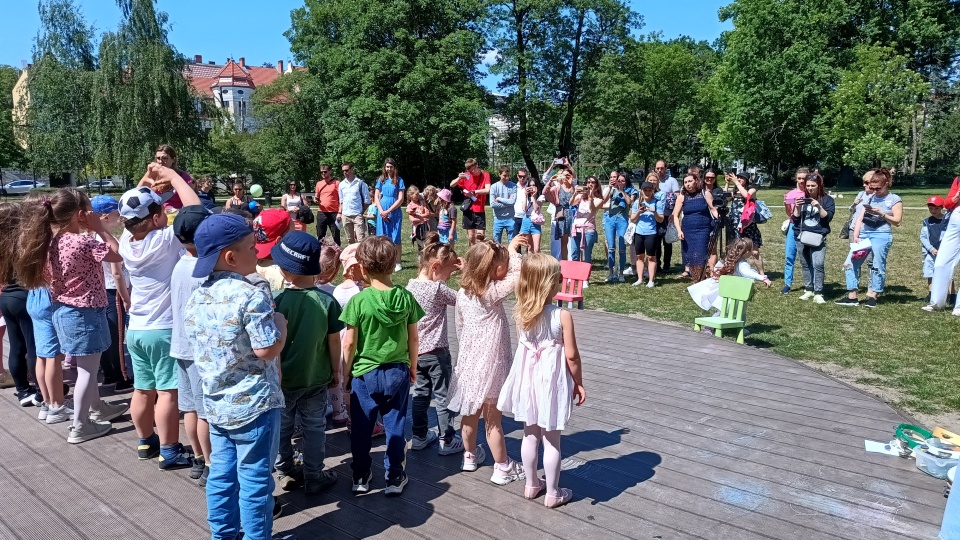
<point>566,127</point>
<point>522,133</point>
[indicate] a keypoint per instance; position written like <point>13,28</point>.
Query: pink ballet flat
<point>532,492</point>
<point>552,502</point>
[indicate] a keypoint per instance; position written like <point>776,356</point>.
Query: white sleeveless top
<point>293,202</point>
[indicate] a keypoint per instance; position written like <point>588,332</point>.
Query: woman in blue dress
<point>698,215</point>
<point>388,197</point>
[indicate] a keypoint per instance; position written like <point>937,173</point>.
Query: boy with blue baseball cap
<point>237,338</point>
<point>117,280</point>
<point>310,360</point>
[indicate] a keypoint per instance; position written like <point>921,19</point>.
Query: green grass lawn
<point>910,355</point>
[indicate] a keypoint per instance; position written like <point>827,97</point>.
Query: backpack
<point>305,215</point>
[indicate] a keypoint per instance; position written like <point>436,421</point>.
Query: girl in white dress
<point>545,379</point>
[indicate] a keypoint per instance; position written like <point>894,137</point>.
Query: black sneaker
<point>870,303</point>
<point>196,470</point>
<point>395,487</point>
<point>37,399</point>
<point>123,386</point>
<point>846,301</point>
<point>316,485</point>
<point>277,507</point>
<point>362,485</point>
<point>25,397</point>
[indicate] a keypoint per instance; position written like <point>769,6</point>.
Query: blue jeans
<point>312,404</point>
<point>881,242</point>
<point>501,226</point>
<point>589,239</point>
<point>384,391</point>
<point>240,485</point>
<point>790,249</point>
<point>614,227</point>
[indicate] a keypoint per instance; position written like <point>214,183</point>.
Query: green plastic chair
<point>735,293</point>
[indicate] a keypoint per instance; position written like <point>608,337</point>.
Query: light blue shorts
<point>41,310</point>
<point>529,227</point>
<point>82,331</point>
<point>189,389</point>
<point>927,269</point>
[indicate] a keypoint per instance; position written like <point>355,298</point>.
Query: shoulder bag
<point>808,238</point>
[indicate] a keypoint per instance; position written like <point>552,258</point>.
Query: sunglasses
<point>324,172</point>
<point>345,170</point>
<point>713,177</point>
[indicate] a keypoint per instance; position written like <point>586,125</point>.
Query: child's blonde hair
<point>430,195</point>
<point>412,192</point>
<point>539,282</point>
<point>481,260</point>
<point>329,260</point>
<point>434,250</point>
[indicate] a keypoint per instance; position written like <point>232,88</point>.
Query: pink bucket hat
<point>348,257</point>
<point>445,195</point>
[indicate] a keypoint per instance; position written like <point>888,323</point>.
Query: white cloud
<point>490,57</point>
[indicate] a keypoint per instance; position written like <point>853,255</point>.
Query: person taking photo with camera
<point>811,217</point>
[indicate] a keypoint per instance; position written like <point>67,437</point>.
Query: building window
<point>240,92</point>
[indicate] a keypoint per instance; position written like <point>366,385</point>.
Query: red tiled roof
<point>203,77</point>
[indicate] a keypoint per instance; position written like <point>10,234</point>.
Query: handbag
<point>763,212</point>
<point>672,235</point>
<point>631,230</point>
<point>808,238</point>
<point>466,204</point>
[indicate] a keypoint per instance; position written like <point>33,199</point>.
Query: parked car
<point>97,185</point>
<point>20,187</point>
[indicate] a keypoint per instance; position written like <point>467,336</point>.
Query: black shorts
<point>474,221</point>
<point>645,244</point>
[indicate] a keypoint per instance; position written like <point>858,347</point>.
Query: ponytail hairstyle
<point>40,216</point>
<point>478,266</point>
<point>741,249</point>
<point>434,250</point>
<point>540,280</point>
<point>329,260</point>
<point>10,214</point>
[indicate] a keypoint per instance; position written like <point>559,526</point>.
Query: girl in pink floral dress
<point>490,274</point>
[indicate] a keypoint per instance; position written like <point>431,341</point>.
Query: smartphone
<point>732,171</point>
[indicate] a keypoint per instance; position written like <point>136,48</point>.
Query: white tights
<point>86,394</point>
<point>551,457</point>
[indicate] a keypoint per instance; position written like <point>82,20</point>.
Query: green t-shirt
<point>381,319</point>
<point>312,315</point>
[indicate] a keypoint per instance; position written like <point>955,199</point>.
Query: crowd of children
<point>235,324</point>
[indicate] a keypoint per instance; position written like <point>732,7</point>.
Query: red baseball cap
<point>936,200</point>
<point>268,228</point>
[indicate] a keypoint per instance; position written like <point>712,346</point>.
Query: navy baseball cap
<point>187,220</point>
<point>298,253</point>
<point>104,204</point>
<point>213,235</point>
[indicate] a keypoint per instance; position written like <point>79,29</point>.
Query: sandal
<point>684,275</point>
<point>565,495</point>
<point>532,492</point>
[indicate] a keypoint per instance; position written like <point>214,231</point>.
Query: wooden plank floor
<point>683,436</point>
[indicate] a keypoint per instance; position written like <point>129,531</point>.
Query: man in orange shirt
<point>475,184</point>
<point>327,195</point>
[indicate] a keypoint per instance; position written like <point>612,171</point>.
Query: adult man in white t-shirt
<point>354,200</point>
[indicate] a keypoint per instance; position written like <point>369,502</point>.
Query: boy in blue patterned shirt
<point>237,338</point>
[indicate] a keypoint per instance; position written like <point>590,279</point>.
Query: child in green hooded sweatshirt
<point>380,352</point>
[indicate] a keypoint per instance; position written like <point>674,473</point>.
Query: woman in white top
<point>291,202</point>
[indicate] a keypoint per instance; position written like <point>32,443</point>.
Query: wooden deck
<point>706,439</point>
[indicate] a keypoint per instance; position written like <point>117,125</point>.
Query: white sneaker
<point>930,308</point>
<point>586,284</point>
<point>44,411</point>
<point>419,443</point>
<point>397,268</point>
<point>453,447</point>
<point>956,312</point>
<point>638,282</point>
<point>90,430</point>
<point>629,271</point>
<point>650,285</point>
<point>818,299</point>
<point>807,295</point>
<point>108,411</point>
<point>60,414</point>
<point>472,462</point>
<point>510,473</point>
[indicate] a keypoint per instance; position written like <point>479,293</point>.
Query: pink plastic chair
<point>574,274</point>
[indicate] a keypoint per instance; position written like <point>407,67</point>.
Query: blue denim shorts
<point>82,331</point>
<point>529,227</point>
<point>41,310</point>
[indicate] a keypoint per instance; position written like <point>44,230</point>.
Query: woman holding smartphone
<point>696,205</point>
<point>882,211</point>
<point>811,219</point>
<point>647,215</point>
<point>620,194</point>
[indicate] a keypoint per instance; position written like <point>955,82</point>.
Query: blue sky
<point>254,29</point>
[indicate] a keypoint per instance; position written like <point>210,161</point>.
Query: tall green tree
<point>649,101</point>
<point>57,103</point>
<point>142,98</point>
<point>11,154</point>
<point>395,78</point>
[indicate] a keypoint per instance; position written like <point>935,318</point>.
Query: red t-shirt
<point>948,202</point>
<point>328,195</point>
<point>473,183</point>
